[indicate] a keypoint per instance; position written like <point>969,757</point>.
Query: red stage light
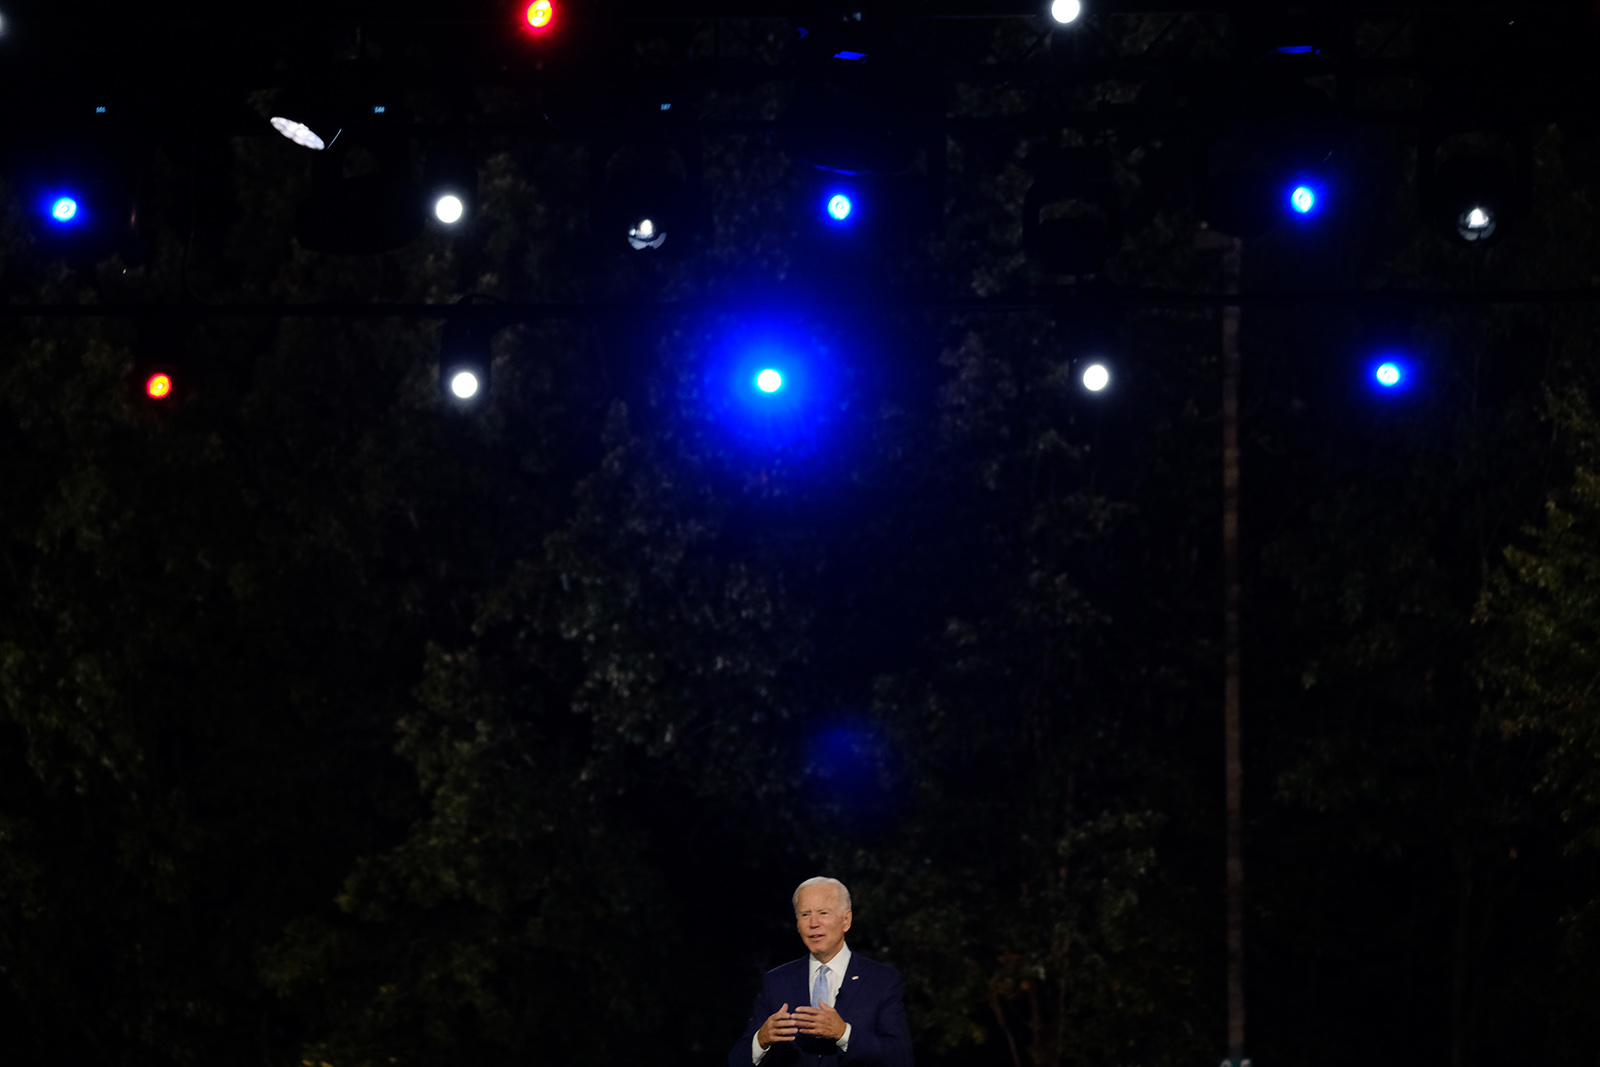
<point>539,14</point>
<point>158,386</point>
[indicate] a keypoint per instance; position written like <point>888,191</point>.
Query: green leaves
<point>1543,609</point>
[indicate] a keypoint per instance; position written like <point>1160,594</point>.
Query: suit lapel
<point>852,975</point>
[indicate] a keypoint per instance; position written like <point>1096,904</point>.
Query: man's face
<point>820,922</point>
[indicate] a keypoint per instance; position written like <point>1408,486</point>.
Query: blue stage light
<point>1393,373</point>
<point>64,209</point>
<point>839,207</point>
<point>1303,199</point>
<point>771,381</point>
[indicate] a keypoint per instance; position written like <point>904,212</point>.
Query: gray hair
<point>844,894</point>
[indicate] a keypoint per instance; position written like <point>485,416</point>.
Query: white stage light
<point>1065,11</point>
<point>448,209</point>
<point>464,385</point>
<point>1476,223</point>
<point>1096,377</point>
<point>298,132</point>
<point>646,234</point>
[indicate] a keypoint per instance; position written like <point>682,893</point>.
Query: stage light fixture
<point>298,132</point>
<point>448,209</point>
<point>1096,377</point>
<point>1475,183</point>
<point>465,357</point>
<point>160,362</point>
<point>1290,165</point>
<point>771,377</point>
<point>1477,223</point>
<point>1065,11</point>
<point>645,233</point>
<point>80,196</point>
<point>155,377</point>
<point>1474,191</point>
<point>839,207</point>
<point>648,193</point>
<point>539,14</point>
<point>316,110</point>
<point>1279,34</point>
<point>450,175</point>
<point>1391,373</point>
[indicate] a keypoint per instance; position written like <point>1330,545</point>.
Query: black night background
<point>344,721</point>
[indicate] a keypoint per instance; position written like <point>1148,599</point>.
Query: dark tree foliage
<point>339,724</point>
<point>1537,678</point>
<point>1414,873</point>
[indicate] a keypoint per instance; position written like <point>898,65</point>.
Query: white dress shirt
<point>836,969</point>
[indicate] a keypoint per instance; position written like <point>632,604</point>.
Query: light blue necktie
<point>819,992</point>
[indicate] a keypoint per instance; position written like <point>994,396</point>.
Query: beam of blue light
<point>1389,374</point>
<point>1303,199</point>
<point>64,210</point>
<point>770,384</point>
<point>853,770</point>
<point>839,207</point>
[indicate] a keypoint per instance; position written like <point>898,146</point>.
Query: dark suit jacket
<point>870,1000</point>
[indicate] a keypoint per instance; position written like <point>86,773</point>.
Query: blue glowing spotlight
<point>1303,199</point>
<point>64,209</point>
<point>839,207</point>
<point>1392,373</point>
<point>773,381</point>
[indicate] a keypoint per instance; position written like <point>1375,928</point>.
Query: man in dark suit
<point>832,1008</point>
